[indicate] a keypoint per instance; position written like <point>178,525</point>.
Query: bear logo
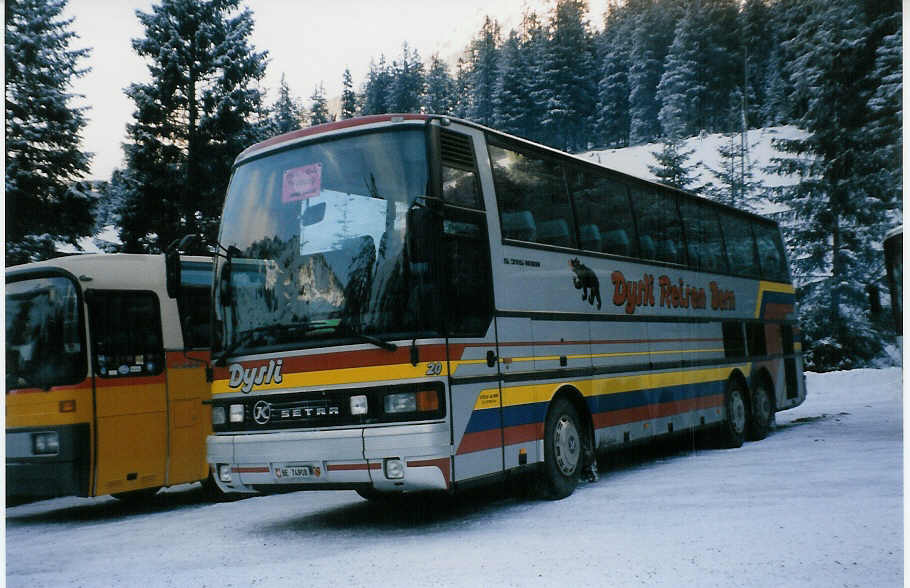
<point>585,280</point>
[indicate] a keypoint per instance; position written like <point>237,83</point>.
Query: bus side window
<point>659,227</point>
<point>703,237</point>
<point>604,213</point>
<point>534,183</point>
<point>126,333</point>
<point>740,245</point>
<point>772,259</point>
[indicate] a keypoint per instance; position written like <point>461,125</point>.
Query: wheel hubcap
<point>738,408</point>
<point>764,406</point>
<point>566,445</point>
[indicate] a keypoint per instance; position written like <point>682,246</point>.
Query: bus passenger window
<point>740,245</point>
<point>459,187</point>
<point>703,237</point>
<point>528,183</point>
<point>126,333</point>
<point>659,227</point>
<point>771,253</point>
<point>603,205</point>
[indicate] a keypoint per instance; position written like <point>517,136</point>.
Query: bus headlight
<point>422,401</point>
<point>224,472</point>
<point>218,415</point>
<point>236,413</point>
<point>359,404</point>
<point>393,468</point>
<point>45,443</point>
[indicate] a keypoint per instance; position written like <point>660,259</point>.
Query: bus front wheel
<point>762,413</point>
<point>562,450</point>
<point>733,430</point>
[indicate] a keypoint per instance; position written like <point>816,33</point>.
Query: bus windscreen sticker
<point>301,182</point>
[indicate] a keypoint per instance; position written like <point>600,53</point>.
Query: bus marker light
<point>393,468</point>
<point>359,404</point>
<point>67,406</point>
<point>427,400</point>
<point>224,472</point>
<point>236,413</point>
<point>218,417</point>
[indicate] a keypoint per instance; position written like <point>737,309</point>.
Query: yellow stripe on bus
<point>332,377</point>
<point>770,287</point>
<point>529,394</point>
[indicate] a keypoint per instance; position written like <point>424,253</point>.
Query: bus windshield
<point>316,236</point>
<point>43,333</point>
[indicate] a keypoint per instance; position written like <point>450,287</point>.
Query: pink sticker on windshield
<point>302,182</point>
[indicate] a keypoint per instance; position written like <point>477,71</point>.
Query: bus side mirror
<point>422,233</point>
<point>172,272</point>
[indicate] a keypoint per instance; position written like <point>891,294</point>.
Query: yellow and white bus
<point>416,302</point>
<point>105,376</point>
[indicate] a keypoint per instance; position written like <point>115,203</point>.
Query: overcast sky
<point>309,41</point>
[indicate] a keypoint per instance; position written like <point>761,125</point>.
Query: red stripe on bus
<point>187,359</point>
<point>250,470</point>
<point>115,381</point>
<point>349,359</point>
<point>603,342</point>
<point>479,441</point>
<point>442,463</point>
<point>774,311</point>
<point>522,433</point>
<point>647,412</point>
<point>347,467</point>
<point>84,384</point>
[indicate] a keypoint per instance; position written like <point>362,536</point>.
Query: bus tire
<point>761,414</point>
<point>563,450</point>
<point>733,429</point>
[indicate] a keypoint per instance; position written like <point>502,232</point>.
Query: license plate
<point>293,472</point>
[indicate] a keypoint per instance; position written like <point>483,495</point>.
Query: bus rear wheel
<point>733,430</point>
<point>562,450</point>
<point>761,413</point>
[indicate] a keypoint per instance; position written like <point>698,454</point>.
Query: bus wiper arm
<point>251,334</point>
<point>388,346</point>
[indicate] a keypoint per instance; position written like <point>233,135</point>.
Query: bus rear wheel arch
<point>568,445</point>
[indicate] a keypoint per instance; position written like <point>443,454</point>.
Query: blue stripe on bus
<point>535,412</point>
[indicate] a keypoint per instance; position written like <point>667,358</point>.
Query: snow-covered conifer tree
<point>319,106</point>
<point>191,119</point>
<point>376,88</point>
<point>407,84</point>
<point>672,166</point>
<point>43,132</point>
<point>439,97</point>
<point>348,96</point>
<point>484,69</point>
<point>286,113</point>
<point>612,121</point>
<point>679,92</point>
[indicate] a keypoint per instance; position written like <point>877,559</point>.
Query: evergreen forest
<point>650,71</point>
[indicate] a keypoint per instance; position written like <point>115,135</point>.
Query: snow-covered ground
<point>818,503</point>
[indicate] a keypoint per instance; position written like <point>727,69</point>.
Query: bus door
<point>476,409</point>
<point>189,422</point>
<point>131,429</point>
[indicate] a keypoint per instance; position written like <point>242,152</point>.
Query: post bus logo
<point>246,378</point>
<point>262,412</point>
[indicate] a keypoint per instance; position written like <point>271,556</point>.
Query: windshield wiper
<point>388,346</point>
<point>250,335</point>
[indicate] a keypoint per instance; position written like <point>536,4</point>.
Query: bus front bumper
<point>56,466</point>
<point>397,458</point>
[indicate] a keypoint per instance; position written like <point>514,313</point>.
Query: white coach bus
<point>415,302</point>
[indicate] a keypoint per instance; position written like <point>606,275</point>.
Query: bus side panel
<point>477,423</point>
<point>189,422</point>
<point>65,410</point>
<point>131,434</point>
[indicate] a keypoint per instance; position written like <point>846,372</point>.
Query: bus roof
<point>119,271</point>
<point>379,120</point>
